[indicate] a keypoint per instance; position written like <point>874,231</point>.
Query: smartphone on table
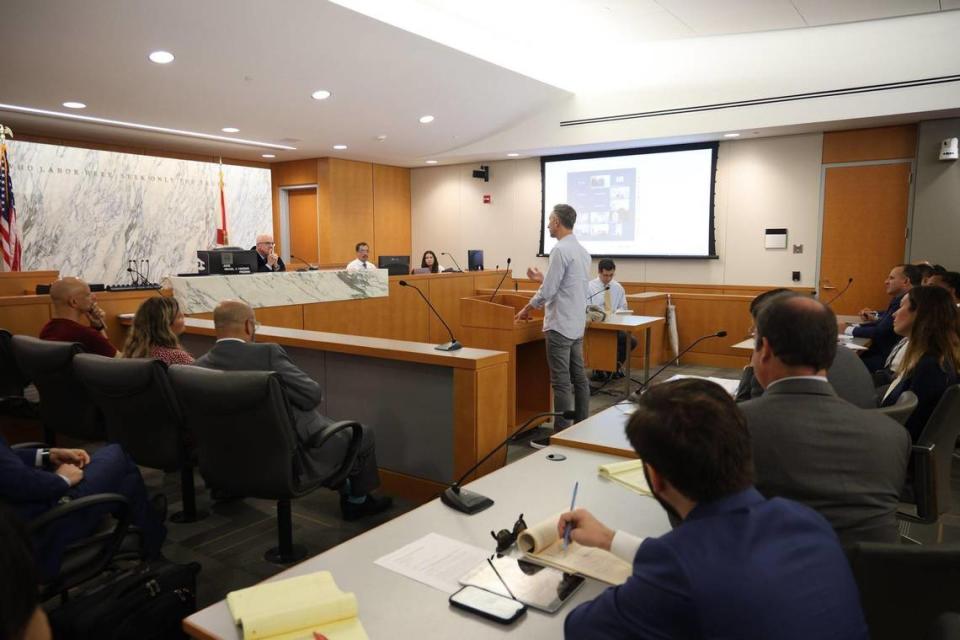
<point>488,605</point>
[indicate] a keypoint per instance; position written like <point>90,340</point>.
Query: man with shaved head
<point>810,445</point>
<point>267,260</point>
<point>77,318</point>
<point>235,350</point>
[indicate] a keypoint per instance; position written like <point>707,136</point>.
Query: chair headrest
<point>116,376</point>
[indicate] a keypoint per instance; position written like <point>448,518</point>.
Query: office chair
<point>901,409</point>
<point>904,589</point>
<point>142,415</point>
<point>65,407</point>
<point>931,458</point>
<point>247,445</point>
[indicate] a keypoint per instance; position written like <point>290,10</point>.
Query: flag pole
<point>222,237</point>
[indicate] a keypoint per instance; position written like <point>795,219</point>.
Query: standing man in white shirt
<point>363,258</point>
<point>612,300</point>
<point>563,291</point>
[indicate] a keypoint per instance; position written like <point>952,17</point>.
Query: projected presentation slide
<point>644,203</point>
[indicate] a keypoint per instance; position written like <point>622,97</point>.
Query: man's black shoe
<point>540,443</point>
<point>371,506</point>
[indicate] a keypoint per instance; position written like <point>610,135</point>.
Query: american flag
<point>222,237</point>
<point>9,235</point>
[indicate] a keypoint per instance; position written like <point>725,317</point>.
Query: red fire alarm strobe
<point>486,198</point>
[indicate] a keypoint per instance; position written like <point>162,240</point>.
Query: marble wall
<point>86,212</point>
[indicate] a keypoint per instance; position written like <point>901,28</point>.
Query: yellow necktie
<point>607,302</point>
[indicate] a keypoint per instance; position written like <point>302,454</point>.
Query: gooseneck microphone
<point>590,297</point>
<point>310,267</point>
<point>501,281</point>
<point>138,281</point>
<point>459,268</point>
<point>643,385</point>
<point>843,291</point>
<point>453,345</point>
<point>470,502</point>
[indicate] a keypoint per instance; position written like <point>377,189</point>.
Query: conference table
<point>603,432</point>
<point>600,343</point>
<point>394,606</point>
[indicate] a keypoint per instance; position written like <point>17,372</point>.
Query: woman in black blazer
<point>928,317</point>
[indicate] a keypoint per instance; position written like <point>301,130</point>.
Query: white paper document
<point>435,560</point>
<point>726,383</point>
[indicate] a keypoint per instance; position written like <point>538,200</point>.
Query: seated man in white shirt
<point>612,299</point>
<point>363,258</point>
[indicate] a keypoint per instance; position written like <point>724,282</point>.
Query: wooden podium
<point>490,324</point>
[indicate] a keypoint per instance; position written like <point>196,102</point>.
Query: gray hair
<point>566,215</point>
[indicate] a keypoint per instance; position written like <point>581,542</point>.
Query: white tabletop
<point>853,343</point>
<point>625,322</point>
<point>604,432</point>
<point>392,606</point>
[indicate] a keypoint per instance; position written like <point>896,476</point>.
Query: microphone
<point>605,288</point>
<point>453,345</point>
<point>147,278</point>
<point>470,502</point>
<point>643,385</point>
<point>132,269</point>
<point>501,281</point>
<point>843,291</point>
<point>444,253</point>
<point>143,279</point>
<point>310,267</point>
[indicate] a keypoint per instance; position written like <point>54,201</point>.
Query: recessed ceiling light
<point>230,130</point>
<point>143,127</point>
<point>731,135</point>
<point>74,105</point>
<point>320,94</point>
<point>513,155</point>
<point>161,57</point>
<point>268,155</point>
<point>426,119</point>
<point>339,147</point>
<point>431,162</point>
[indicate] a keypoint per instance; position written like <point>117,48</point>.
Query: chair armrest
<point>87,502</point>
<point>353,448</point>
<point>30,445</point>
<point>925,482</point>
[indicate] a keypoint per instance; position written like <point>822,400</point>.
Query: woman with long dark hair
<point>155,333</point>
<point>931,358</point>
<point>429,261</point>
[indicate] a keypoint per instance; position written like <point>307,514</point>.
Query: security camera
<point>948,149</point>
<point>484,172</point>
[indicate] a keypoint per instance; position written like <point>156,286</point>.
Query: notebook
<point>629,474</point>
<point>296,608</point>
<point>541,544</point>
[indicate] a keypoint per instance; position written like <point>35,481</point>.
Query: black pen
<point>502,581</point>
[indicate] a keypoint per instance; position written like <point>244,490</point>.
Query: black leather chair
<point>142,415</point>
<point>12,380</point>
<point>65,407</point>
<point>904,589</point>
<point>247,444</point>
<point>932,457</point>
<point>902,408</point>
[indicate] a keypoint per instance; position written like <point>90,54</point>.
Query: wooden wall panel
<point>391,211</point>
<point>350,211</point>
<point>445,293</point>
<point>401,316</point>
<point>882,143</point>
<point>289,316</point>
<point>699,315</point>
<point>24,315</point>
<point>304,227</point>
<point>289,174</point>
<point>863,206</point>
<point>18,283</point>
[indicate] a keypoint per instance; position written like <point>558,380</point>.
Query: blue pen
<point>567,530</point>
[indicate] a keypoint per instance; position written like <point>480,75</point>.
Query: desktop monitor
<point>227,261</point>
<point>395,265</point>
<point>475,260</point>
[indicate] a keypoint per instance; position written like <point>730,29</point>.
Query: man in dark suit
<point>739,565</point>
<point>267,260</point>
<point>878,327</point>
<point>33,481</point>
<point>235,350</point>
<point>812,446</point>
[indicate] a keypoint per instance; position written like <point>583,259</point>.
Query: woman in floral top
<point>156,331</point>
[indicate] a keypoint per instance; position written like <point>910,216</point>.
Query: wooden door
<point>302,205</point>
<point>864,232</point>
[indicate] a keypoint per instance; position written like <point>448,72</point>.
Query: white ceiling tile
<point>710,17</point>
<point>823,12</point>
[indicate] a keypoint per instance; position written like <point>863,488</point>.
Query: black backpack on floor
<point>146,602</point>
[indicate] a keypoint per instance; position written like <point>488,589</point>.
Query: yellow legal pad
<point>295,608</point>
<point>629,474</point>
